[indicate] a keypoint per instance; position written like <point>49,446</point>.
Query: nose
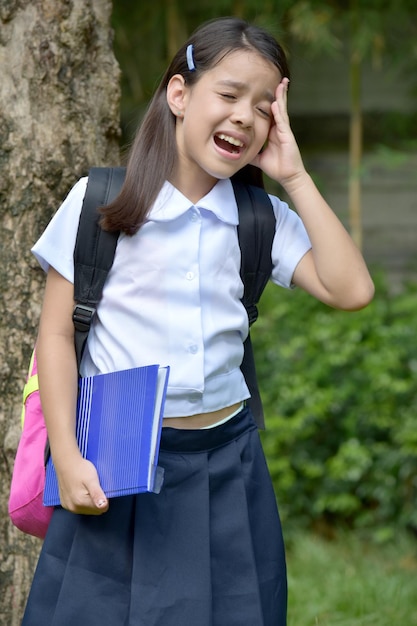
<point>242,114</point>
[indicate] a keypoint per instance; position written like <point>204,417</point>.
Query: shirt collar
<point>220,200</point>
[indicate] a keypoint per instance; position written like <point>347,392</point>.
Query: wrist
<point>296,183</point>
<point>65,455</point>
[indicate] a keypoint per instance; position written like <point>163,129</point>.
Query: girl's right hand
<point>79,487</point>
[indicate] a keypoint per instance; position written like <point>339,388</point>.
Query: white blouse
<point>173,294</point>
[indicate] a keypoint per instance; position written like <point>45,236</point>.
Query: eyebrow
<point>240,86</point>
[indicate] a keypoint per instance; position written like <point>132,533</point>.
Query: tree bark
<point>59,114</point>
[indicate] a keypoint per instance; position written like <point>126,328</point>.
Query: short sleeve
<point>290,244</point>
<point>55,247</point>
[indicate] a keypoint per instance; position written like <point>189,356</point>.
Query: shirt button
<point>189,275</point>
<point>194,349</point>
<point>194,216</point>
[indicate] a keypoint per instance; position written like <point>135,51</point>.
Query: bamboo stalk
<point>355,136</point>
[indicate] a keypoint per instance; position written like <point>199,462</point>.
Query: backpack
<point>93,257</point>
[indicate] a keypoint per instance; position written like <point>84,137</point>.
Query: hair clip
<point>190,58</point>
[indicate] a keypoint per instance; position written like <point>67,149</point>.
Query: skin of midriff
<point>200,420</point>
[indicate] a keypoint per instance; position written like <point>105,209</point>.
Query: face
<point>226,117</point>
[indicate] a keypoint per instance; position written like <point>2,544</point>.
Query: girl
<point>207,550</point>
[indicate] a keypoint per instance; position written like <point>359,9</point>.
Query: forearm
<point>57,368</point>
<point>334,270</point>
<point>57,371</point>
<point>338,263</point>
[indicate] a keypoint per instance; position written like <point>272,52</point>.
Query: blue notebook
<point>119,422</point>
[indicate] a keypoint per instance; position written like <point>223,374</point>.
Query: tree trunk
<point>59,114</point>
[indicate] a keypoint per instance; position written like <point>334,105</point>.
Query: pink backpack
<point>93,257</point>
<point>26,508</point>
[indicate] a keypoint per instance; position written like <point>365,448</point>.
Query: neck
<point>192,186</point>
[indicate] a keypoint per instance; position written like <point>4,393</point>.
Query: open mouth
<point>229,144</point>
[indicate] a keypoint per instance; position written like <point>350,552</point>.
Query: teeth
<point>231,140</point>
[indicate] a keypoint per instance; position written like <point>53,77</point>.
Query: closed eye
<point>228,96</point>
<point>265,112</point>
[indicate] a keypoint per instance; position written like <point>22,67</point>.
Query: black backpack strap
<point>256,232</point>
<point>94,250</point>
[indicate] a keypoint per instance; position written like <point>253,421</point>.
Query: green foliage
<point>340,397</point>
<point>312,24</point>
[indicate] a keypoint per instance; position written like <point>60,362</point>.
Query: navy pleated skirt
<point>206,551</point>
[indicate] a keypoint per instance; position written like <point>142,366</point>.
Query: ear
<point>177,94</point>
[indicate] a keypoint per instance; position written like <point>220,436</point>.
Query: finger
<point>94,494</point>
<point>86,503</point>
<point>97,496</point>
<point>282,100</point>
<point>286,83</point>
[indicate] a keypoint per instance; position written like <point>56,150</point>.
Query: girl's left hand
<point>280,159</point>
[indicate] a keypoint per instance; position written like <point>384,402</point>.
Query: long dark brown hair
<point>154,152</point>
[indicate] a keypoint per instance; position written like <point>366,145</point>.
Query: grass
<point>350,582</point>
